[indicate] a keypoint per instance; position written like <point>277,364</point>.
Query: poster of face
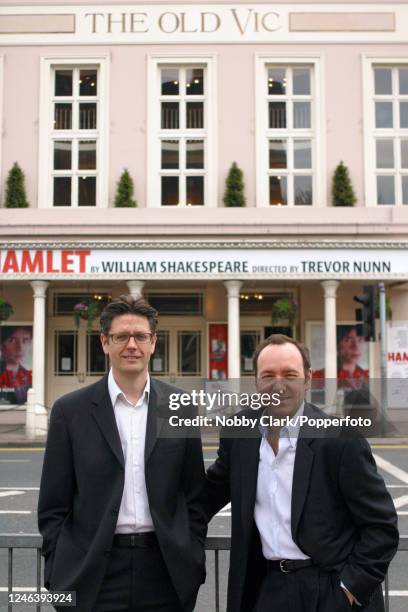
<point>15,363</point>
<point>352,355</point>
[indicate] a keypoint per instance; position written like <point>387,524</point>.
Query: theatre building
<point>175,94</point>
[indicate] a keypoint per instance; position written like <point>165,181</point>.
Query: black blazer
<point>342,515</point>
<point>81,491</point>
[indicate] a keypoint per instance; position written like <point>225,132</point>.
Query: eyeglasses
<point>138,337</point>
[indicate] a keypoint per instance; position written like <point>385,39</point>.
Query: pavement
<point>13,432</point>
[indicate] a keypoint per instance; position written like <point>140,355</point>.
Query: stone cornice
<point>204,244</point>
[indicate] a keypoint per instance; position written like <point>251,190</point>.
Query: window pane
<point>249,341</point>
<point>169,82</point>
<point>65,354</point>
<point>277,115</point>
<point>303,191</point>
<point>63,82</point>
<point>170,190</point>
<point>195,190</point>
<point>87,155</point>
<point>278,154</point>
<point>62,155</point>
<point>383,81</point>
<point>87,116</point>
<point>278,190</point>
<point>404,153</point>
<point>385,153</point>
<point>404,189</point>
<point>276,81</point>
<point>404,114</point>
<point>88,83</point>
<point>195,115</point>
<point>301,115</point>
<point>383,115</point>
<point>63,117</point>
<point>169,154</point>
<point>159,363</point>
<point>302,153</point>
<point>96,361</point>
<point>176,304</point>
<point>301,81</point>
<point>189,346</point>
<point>403,80</point>
<point>87,191</point>
<point>64,302</point>
<point>385,190</point>
<point>62,191</point>
<point>194,81</point>
<point>194,154</point>
<point>170,115</point>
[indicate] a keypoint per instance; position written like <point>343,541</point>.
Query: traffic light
<point>365,316</point>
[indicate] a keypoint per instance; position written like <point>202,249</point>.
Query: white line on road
<point>392,469</point>
<point>20,488</point>
<point>10,493</point>
<point>401,501</point>
<point>15,512</point>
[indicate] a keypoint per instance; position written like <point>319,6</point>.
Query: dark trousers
<point>137,580</point>
<point>309,589</point>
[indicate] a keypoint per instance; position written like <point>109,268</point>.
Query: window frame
<point>372,133</point>
<point>317,137</point>
<point>155,134</point>
<point>47,135</point>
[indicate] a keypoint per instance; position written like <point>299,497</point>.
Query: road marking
<point>403,513</point>
<point>20,488</point>
<point>396,486</point>
<point>11,493</point>
<point>401,501</point>
<point>15,512</point>
<point>389,446</point>
<point>392,469</point>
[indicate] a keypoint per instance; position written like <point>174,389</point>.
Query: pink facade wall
<point>343,102</point>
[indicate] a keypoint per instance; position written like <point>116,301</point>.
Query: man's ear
<point>308,379</point>
<point>105,343</point>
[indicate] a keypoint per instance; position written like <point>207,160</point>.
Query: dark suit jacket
<point>342,515</point>
<point>81,491</point>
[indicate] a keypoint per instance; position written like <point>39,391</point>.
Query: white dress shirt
<point>274,495</point>
<point>273,502</point>
<point>134,513</point>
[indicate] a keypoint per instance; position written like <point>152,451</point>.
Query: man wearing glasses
<point>118,505</point>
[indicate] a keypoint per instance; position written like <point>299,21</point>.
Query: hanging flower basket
<point>284,309</point>
<point>6,310</point>
<point>87,311</point>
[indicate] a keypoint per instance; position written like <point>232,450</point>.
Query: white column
<point>36,420</point>
<point>135,287</point>
<point>330,354</point>
<point>233,287</point>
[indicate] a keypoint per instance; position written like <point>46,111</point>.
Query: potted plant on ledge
<point>87,310</point>
<point>284,308</point>
<point>6,310</point>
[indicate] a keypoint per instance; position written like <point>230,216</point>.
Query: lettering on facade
<point>338,267</point>
<point>243,20</point>
<point>398,356</point>
<point>39,262</point>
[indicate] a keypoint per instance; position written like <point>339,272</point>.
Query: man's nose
<point>132,343</point>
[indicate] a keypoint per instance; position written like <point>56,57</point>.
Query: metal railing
<point>14,541</point>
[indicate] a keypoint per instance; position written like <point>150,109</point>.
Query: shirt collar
<point>290,431</point>
<point>115,391</point>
